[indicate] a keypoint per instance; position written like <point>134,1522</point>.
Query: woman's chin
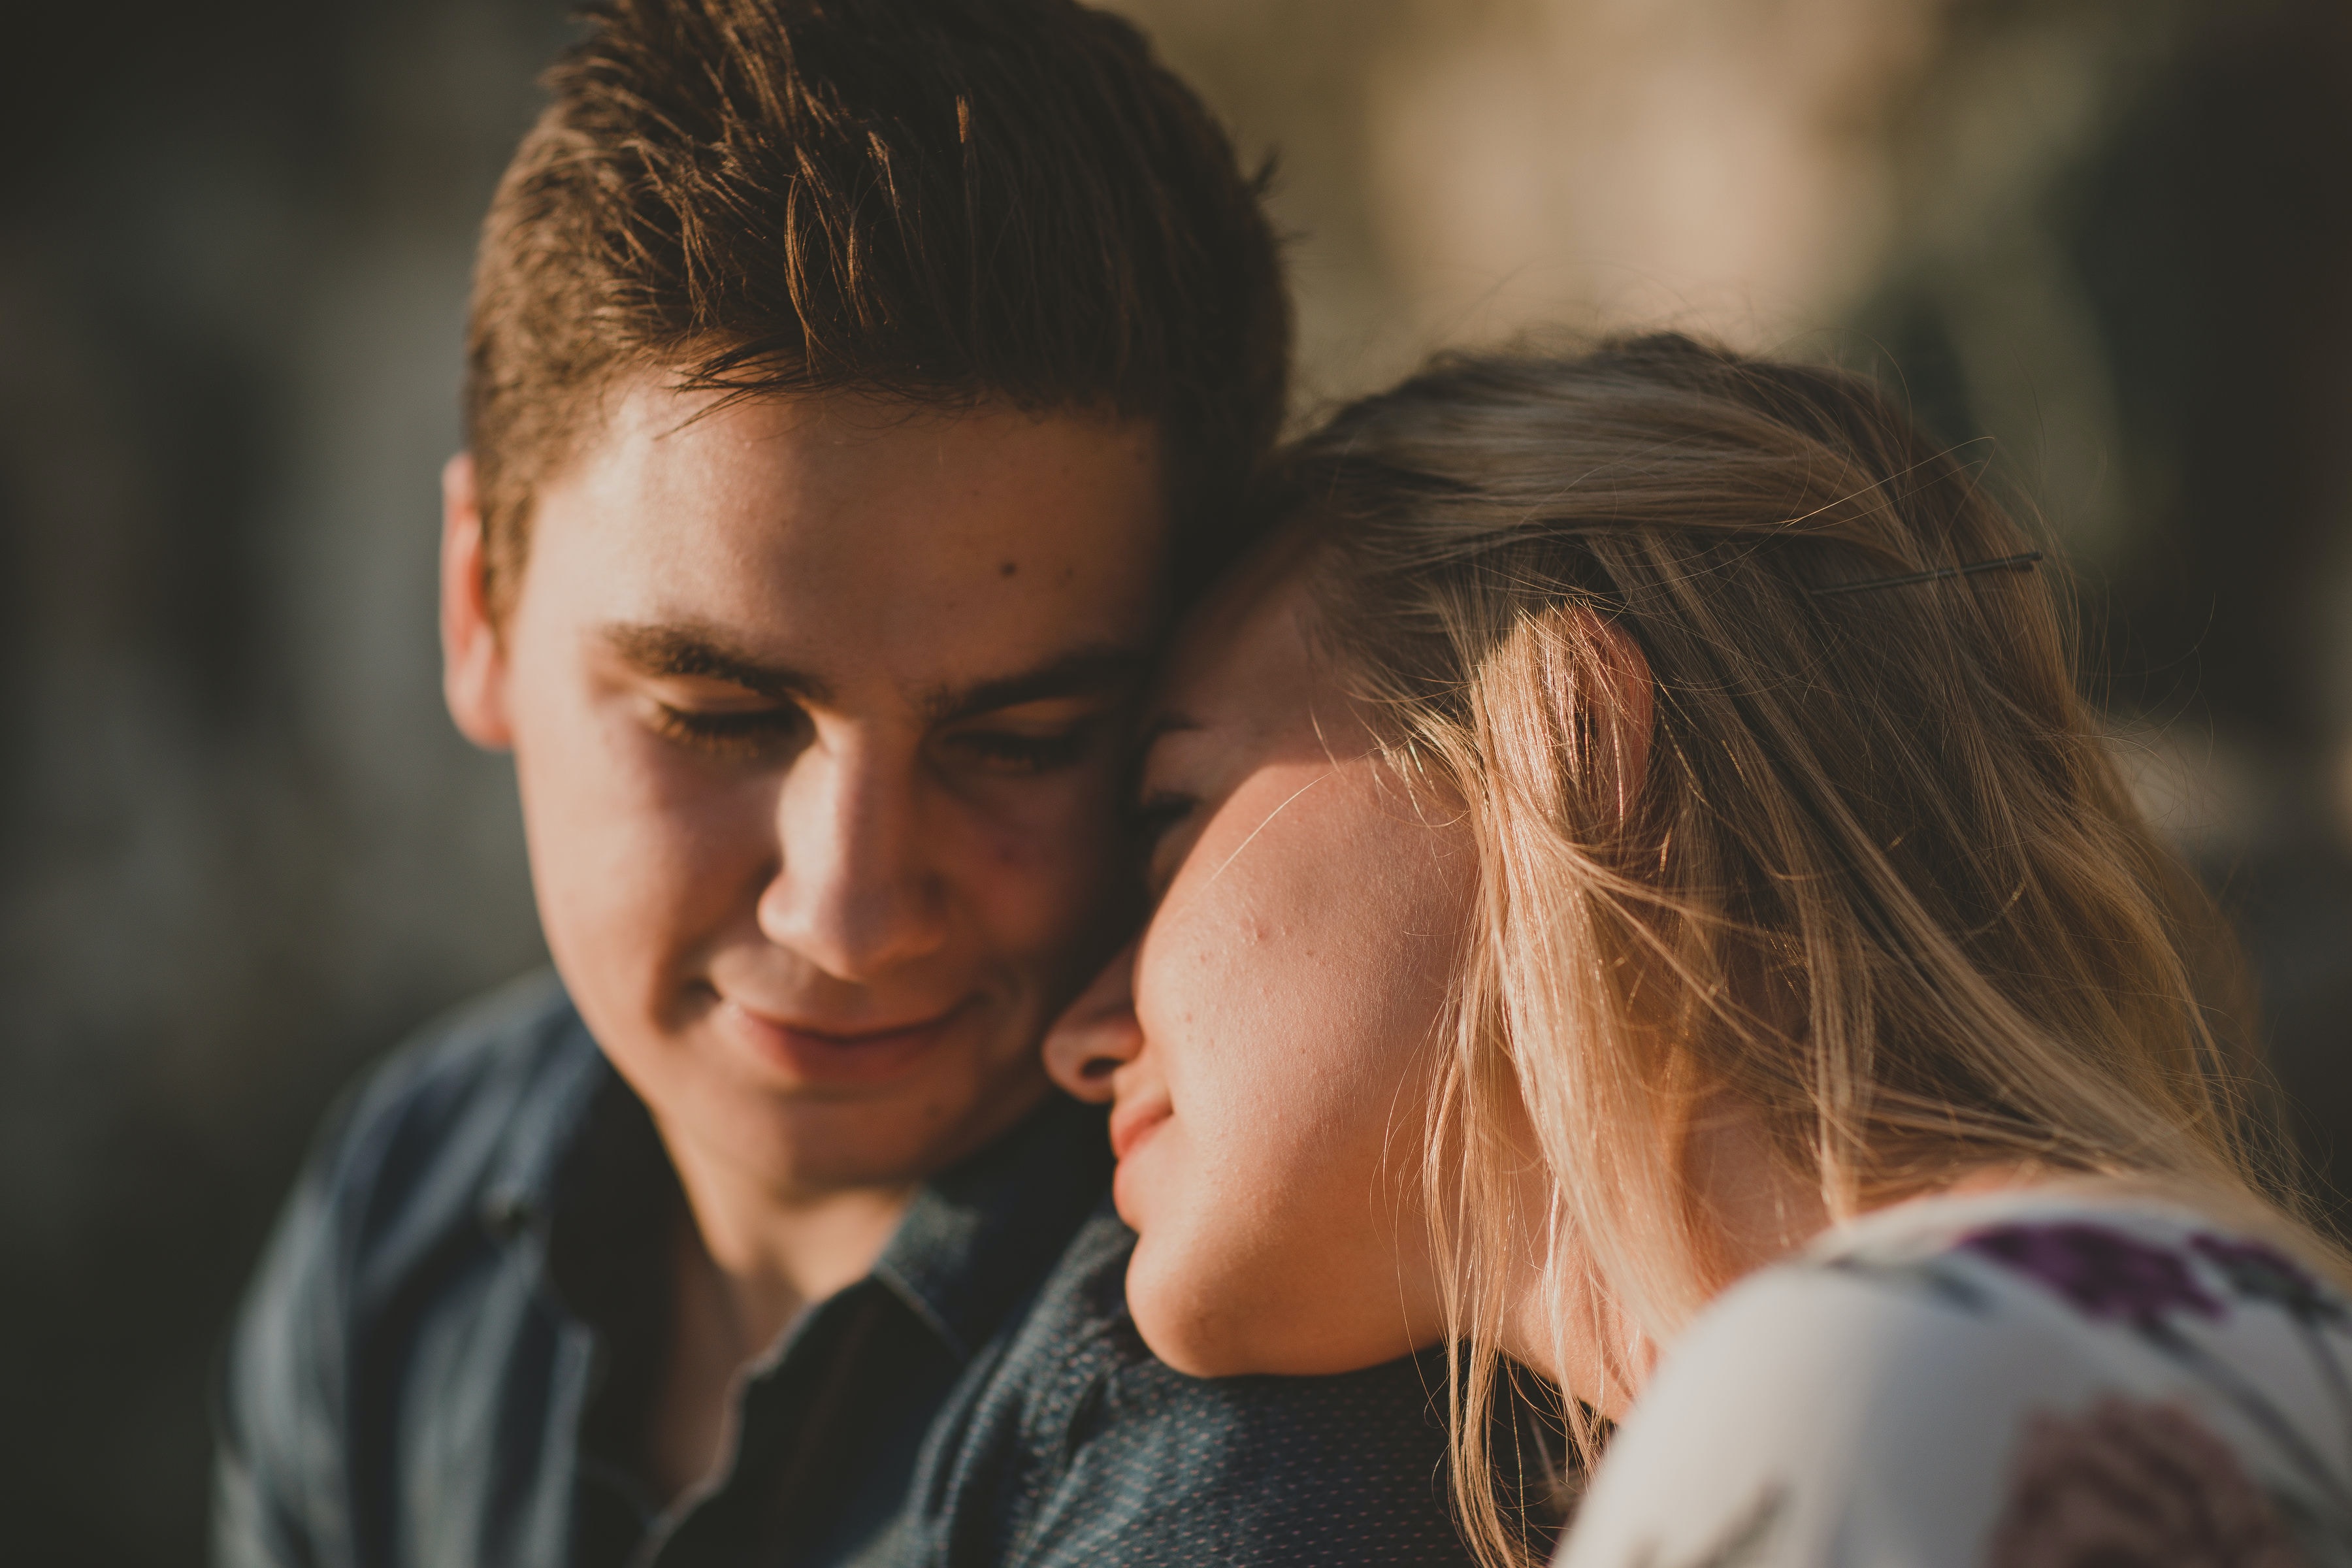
<point>1186,1352</point>
<point>1191,1329</point>
<point>1131,1194</point>
<point>1203,1332</point>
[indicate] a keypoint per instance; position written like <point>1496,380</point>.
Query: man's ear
<point>473,655</point>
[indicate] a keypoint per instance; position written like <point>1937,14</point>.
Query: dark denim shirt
<point>447,1356</point>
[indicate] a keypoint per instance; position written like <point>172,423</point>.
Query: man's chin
<point>809,1142</point>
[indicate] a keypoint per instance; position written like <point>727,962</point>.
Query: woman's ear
<point>473,653</point>
<point>1568,684</point>
<point>1631,711</point>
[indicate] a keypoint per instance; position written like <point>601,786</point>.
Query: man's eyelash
<point>1032,753</point>
<point>729,732</point>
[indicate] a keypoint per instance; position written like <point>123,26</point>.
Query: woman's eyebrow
<point>1164,723</point>
<point>1085,672</point>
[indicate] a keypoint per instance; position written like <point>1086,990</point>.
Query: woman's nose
<point>1097,1035</point>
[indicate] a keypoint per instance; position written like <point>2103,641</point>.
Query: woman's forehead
<point>1243,658</point>
<point>1246,682</point>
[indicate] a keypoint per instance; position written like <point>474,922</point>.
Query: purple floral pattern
<point>2107,1275</point>
<point>2131,1484</point>
<point>2111,1277</point>
<point>2259,1272</point>
<point>2220,1452</point>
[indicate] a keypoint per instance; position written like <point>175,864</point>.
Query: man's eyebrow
<point>692,650</point>
<point>1101,671</point>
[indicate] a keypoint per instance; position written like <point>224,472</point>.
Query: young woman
<point>1635,875</point>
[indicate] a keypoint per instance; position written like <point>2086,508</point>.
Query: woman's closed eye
<point>1157,810</point>
<point>1155,821</point>
<point>1158,814</point>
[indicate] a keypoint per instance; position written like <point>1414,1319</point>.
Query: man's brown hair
<point>941,200</point>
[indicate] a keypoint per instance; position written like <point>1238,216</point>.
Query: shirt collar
<point>980,1234</point>
<point>518,1191</point>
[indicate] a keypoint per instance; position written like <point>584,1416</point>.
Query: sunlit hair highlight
<point>1861,862</point>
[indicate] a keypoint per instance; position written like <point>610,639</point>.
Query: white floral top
<point>2022,1380</point>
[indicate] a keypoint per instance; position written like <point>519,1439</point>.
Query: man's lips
<point>827,1053</point>
<point>1133,1120</point>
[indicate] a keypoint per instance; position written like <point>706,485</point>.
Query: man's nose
<point>1097,1034</point>
<point>855,894</point>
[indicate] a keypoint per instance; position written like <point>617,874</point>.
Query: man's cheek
<point>658,793</point>
<point>1051,830</point>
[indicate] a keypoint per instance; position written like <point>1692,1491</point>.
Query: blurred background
<point>244,852</point>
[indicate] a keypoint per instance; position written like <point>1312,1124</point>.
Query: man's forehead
<point>981,504</point>
<point>933,565</point>
<point>653,428</point>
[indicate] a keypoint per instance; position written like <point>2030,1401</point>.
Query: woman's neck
<point>1747,1210</point>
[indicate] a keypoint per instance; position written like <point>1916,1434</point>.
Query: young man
<point>854,386</point>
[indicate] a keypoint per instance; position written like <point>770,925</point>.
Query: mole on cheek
<point>1008,569</point>
<point>1015,851</point>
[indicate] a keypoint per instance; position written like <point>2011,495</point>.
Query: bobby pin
<point>2006,564</point>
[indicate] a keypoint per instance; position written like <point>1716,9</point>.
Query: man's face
<point>813,703</point>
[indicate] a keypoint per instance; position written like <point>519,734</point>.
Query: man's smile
<point>835,1053</point>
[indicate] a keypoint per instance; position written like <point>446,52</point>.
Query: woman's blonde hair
<point>1859,860</point>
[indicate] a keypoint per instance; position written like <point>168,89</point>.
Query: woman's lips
<point>1135,1121</point>
<point>838,1058</point>
<point>1132,1124</point>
